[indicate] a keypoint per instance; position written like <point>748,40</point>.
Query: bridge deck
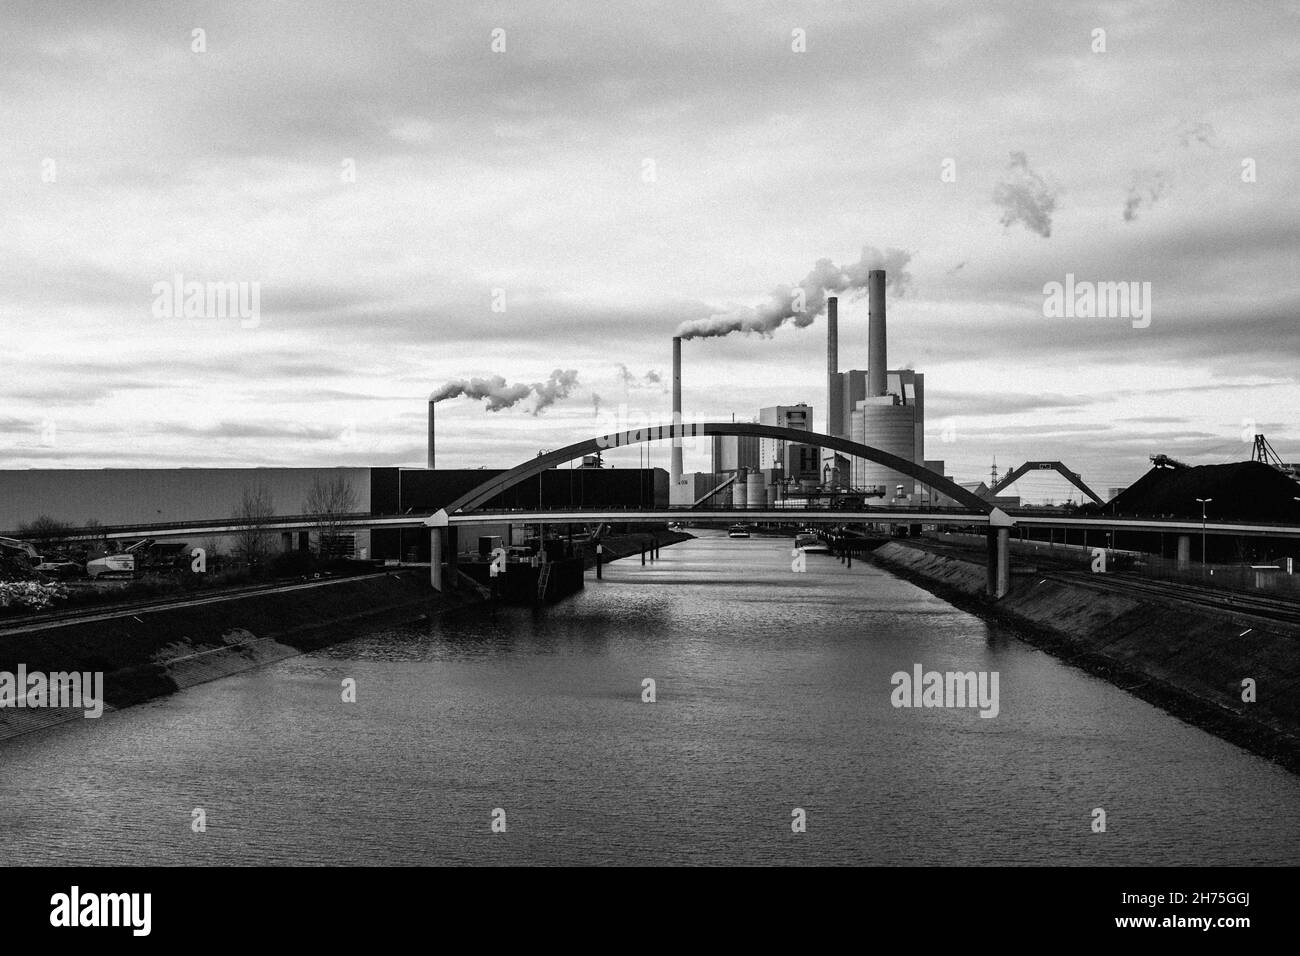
<point>952,517</point>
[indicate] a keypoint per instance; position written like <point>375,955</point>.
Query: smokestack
<point>431,404</point>
<point>834,390</point>
<point>675,467</point>
<point>877,381</point>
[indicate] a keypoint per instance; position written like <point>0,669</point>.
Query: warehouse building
<point>117,497</point>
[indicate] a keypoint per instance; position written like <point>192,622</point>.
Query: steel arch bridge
<point>489,489</point>
<point>444,521</point>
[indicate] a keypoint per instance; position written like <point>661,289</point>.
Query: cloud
<point>1000,403</point>
<point>1024,197</point>
<point>253,429</point>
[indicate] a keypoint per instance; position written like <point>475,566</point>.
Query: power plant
<point>878,406</point>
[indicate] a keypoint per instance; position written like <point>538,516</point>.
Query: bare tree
<point>328,502</point>
<point>96,538</point>
<point>252,541</point>
<point>211,546</point>
<point>45,532</point>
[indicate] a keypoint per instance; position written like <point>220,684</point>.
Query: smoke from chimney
<point>499,395</point>
<point>558,386</point>
<point>804,302</point>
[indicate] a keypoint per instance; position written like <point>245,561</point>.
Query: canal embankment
<point>1195,662</point>
<point>151,652</point>
<point>614,547</point>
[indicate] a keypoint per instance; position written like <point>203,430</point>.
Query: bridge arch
<point>489,489</point>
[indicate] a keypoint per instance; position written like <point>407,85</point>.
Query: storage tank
<point>755,491</point>
<point>738,487</point>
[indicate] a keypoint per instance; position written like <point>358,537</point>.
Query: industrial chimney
<point>431,404</point>
<point>834,385</point>
<point>675,467</point>
<point>877,380</point>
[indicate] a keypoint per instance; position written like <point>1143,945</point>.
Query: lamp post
<point>1204,502</point>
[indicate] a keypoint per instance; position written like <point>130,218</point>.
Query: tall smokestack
<point>431,404</point>
<point>877,381</point>
<point>834,390</point>
<point>675,468</point>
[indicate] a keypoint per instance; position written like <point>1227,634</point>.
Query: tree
<point>252,541</point>
<point>328,503</point>
<point>95,539</point>
<point>45,532</point>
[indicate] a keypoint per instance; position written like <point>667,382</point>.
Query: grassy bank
<point>1188,660</point>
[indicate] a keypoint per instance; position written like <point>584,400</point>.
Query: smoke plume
<point>1200,132</point>
<point>554,388</point>
<point>1025,198</point>
<point>807,300</point>
<point>1145,189</point>
<point>630,380</point>
<point>498,394</point>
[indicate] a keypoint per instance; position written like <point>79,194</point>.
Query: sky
<point>422,193</point>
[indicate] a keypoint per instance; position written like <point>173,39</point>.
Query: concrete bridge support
<point>435,558</point>
<point>998,579</point>
<point>442,543</point>
<point>1184,550</point>
<point>1004,563</point>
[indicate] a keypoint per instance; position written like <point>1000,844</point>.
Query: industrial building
<point>734,452</point>
<point>143,496</point>
<point>880,407</point>
<point>771,453</point>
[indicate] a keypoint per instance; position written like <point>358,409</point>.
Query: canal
<point>772,692</point>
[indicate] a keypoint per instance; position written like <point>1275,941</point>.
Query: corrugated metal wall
<point>130,495</point>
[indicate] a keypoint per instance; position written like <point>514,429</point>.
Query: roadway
<point>938,516</point>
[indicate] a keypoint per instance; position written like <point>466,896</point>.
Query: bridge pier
<point>1184,550</point>
<point>435,558</point>
<point>991,563</point>
<point>453,552</point>
<point>1004,562</point>
<point>998,578</point>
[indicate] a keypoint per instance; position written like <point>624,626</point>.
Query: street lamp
<point>1204,502</point>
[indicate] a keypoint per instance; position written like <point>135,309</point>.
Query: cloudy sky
<point>417,207</point>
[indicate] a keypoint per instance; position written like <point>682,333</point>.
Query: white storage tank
<point>755,491</point>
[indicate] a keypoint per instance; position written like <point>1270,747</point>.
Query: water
<point>773,693</point>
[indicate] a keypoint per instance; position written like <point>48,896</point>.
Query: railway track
<point>1274,609</point>
<point>1261,606</point>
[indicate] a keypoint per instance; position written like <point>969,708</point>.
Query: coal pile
<point>1246,491</point>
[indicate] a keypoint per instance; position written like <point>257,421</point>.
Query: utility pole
<point>1204,502</point>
